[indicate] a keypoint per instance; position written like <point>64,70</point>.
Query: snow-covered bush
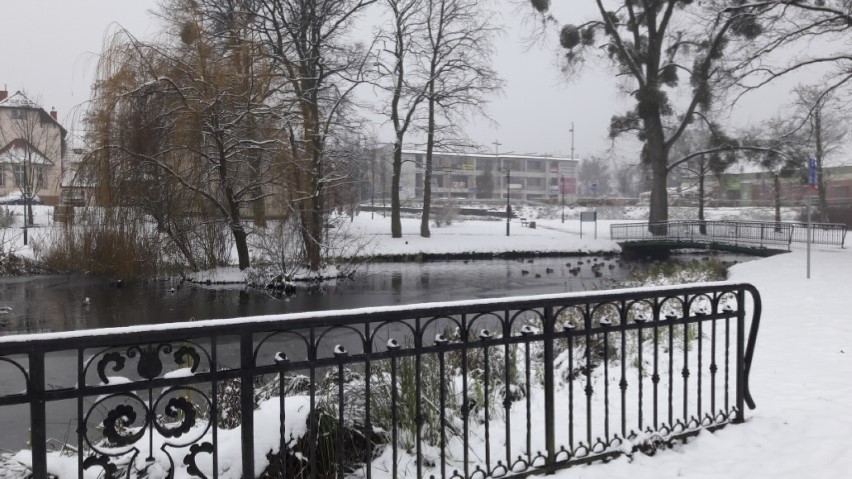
<point>7,218</point>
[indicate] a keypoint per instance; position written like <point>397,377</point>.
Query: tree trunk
<point>657,157</point>
<point>313,214</point>
<point>776,184</point>
<point>702,227</point>
<point>240,240</point>
<point>427,167</point>
<point>396,222</point>
<point>659,205</point>
<point>237,229</point>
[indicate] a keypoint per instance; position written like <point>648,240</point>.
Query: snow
<point>484,236</point>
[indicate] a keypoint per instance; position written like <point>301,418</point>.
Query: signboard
<point>594,187</point>
<point>589,216</point>
<point>812,174</point>
<point>516,186</point>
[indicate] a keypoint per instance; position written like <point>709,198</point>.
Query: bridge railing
<point>505,387</point>
<point>831,234</point>
<point>760,233</point>
<point>744,233</point>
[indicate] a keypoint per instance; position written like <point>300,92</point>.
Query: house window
<point>535,165</point>
<point>19,114</point>
<point>18,172</point>
<point>40,177</point>
<point>2,177</point>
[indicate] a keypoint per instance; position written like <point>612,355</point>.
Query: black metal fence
<point>831,234</point>
<point>487,388</point>
<point>737,233</point>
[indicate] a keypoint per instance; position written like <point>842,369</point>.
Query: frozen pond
<point>56,303</point>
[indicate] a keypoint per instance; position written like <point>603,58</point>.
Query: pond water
<point>56,303</point>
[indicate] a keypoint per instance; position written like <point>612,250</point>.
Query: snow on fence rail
<point>486,388</point>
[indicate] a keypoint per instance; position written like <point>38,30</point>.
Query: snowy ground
<point>801,381</point>
<point>371,232</point>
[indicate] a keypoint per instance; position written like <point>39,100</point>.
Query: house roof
<point>16,150</point>
<point>21,101</point>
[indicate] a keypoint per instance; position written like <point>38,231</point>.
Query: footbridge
<point>753,237</point>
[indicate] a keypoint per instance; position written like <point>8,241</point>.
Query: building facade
<point>482,176</point>
<point>32,148</point>
<point>757,188</point>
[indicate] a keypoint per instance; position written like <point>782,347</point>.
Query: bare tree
<point>320,67</point>
<point>781,149</point>
<point>800,36</point>
<point>459,46</point>
<point>594,170</point>
<point>822,115</point>
<point>651,43</point>
<point>396,60</point>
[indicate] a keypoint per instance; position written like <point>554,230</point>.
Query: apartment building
<point>483,176</point>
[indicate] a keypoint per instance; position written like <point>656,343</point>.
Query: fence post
<point>740,363</point>
<point>247,403</point>
<point>38,433</point>
<point>549,414</point>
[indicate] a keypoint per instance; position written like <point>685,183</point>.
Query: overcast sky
<point>50,51</point>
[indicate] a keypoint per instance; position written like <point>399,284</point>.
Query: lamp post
<point>497,144</point>
<point>508,207</point>
<point>562,193</point>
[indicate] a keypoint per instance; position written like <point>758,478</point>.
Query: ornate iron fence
<point>487,388</point>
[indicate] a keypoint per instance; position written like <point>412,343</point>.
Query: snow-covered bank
<point>484,236</point>
<point>800,381</point>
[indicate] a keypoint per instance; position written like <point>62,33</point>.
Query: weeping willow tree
<point>183,131</point>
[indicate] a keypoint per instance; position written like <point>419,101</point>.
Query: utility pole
<point>572,140</point>
<point>562,192</point>
<point>497,144</point>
